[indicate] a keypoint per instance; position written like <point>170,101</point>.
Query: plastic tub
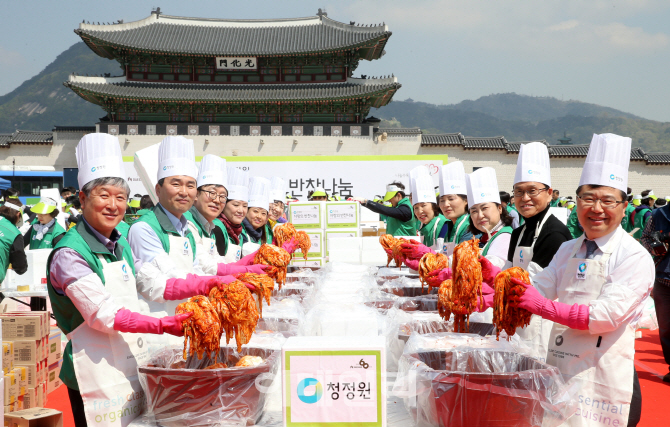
<point>199,397</point>
<point>470,389</point>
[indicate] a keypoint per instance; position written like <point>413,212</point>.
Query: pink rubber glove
<point>436,277</point>
<point>290,246</point>
<point>415,251</point>
<point>412,263</point>
<point>178,289</point>
<point>247,260</point>
<point>574,316</point>
<point>232,269</point>
<point>488,294</point>
<point>128,321</point>
<point>489,272</point>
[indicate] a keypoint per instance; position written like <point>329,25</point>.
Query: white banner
<point>363,176</point>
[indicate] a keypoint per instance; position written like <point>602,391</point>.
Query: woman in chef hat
<point>234,213</point>
<point>487,216</point>
<point>254,232</point>
<point>45,232</point>
<point>453,203</point>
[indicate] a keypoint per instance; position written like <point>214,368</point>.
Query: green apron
<point>8,233</point>
<point>48,238</point>
<point>82,240</point>
<point>505,230</point>
<point>395,227</point>
<point>573,224</point>
<point>640,222</point>
<point>431,230</point>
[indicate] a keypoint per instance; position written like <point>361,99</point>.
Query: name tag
<point>581,271</point>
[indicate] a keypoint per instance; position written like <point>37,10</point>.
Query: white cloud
<point>567,31</point>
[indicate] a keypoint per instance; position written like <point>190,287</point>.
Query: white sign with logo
<point>306,214</point>
<point>334,381</point>
<point>236,63</point>
<point>342,215</point>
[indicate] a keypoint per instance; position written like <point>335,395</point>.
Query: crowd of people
<point>121,265</point>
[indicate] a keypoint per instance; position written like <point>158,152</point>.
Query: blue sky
<point>609,52</point>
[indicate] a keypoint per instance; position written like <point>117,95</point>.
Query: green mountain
<point>510,106</point>
<point>42,101</point>
<point>517,123</point>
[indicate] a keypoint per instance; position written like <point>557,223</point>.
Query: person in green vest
<point>434,226</point>
<point>453,203</point>
<point>11,241</point>
<point>277,213</point>
<point>45,232</point>
<point>318,195</point>
<point>400,219</point>
<point>256,219</point>
<point>555,199</point>
<point>573,224</point>
<point>488,217</point>
<point>505,199</point>
<point>145,205</point>
<point>209,202</point>
<point>626,223</point>
<point>229,223</point>
<point>94,296</point>
<point>642,213</point>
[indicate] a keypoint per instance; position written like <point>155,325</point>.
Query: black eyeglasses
<point>213,195</point>
<point>531,193</point>
<point>605,202</point>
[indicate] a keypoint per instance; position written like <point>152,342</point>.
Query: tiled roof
<point>119,87</point>
<point>514,147</point>
<point>401,131</point>
<point>637,153</point>
<point>568,150</point>
<point>88,129</point>
<point>223,37</point>
<point>32,137</point>
<point>5,139</point>
<point>442,139</point>
<point>657,158</point>
<point>494,142</point>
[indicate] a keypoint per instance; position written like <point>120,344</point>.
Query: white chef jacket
<point>630,279</point>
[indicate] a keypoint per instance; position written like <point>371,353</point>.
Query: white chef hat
<point>423,190</point>
<point>238,184</point>
<point>212,171</point>
<point>607,162</point>
<point>482,187</point>
<point>277,189</point>
<point>452,179</point>
<point>421,170</point>
<point>533,164</point>
<point>176,156</point>
<point>259,193</point>
<point>98,156</point>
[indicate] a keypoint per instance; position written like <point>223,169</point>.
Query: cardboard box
<point>54,353</point>
<point>32,375</point>
<point>307,215</point>
<point>337,234</point>
<point>53,380</point>
<point>30,398</point>
<point>35,417</point>
<point>11,388</point>
<point>27,352</point>
<point>334,361</point>
<point>45,327</point>
<point>311,262</point>
<point>342,215</point>
<point>16,327</point>
<point>36,275</point>
<point>316,251</point>
<point>21,375</point>
<point>7,356</point>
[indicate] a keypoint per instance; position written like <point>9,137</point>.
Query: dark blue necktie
<point>591,247</point>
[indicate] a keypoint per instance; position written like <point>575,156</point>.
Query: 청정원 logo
<point>582,267</point>
<point>123,268</point>
<point>312,398</point>
<point>521,254</point>
<point>453,186</point>
<point>612,176</point>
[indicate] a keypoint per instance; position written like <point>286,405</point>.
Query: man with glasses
<point>534,244</point>
<point>594,289</point>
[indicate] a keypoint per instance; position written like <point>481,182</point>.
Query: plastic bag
<point>406,287</point>
<point>282,315</point>
<point>458,380</point>
<point>202,397</point>
<point>648,318</point>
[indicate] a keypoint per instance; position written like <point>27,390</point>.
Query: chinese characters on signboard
<point>236,63</point>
